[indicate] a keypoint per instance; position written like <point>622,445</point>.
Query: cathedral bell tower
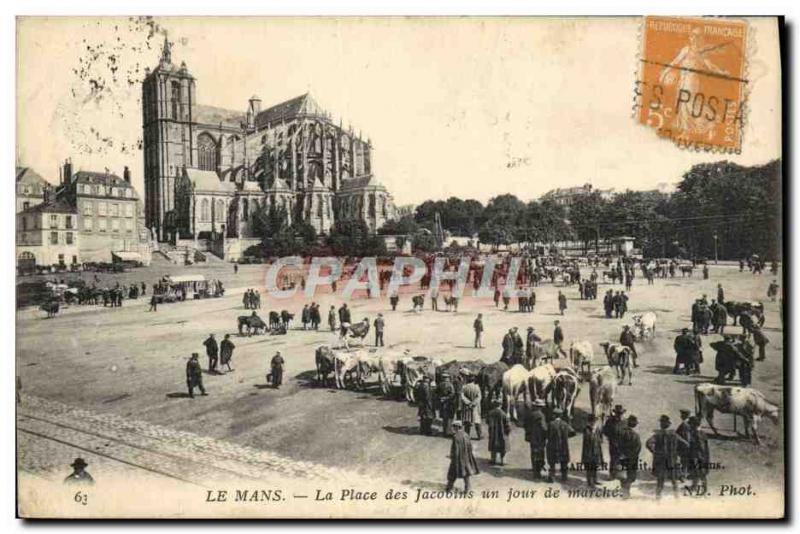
<point>168,94</point>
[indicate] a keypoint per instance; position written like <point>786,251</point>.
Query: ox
<point>540,380</point>
<point>324,359</point>
<point>414,369</point>
<point>619,358</point>
<point>542,352</point>
<point>514,382</point>
<point>356,331</point>
<point>390,366</point>
<point>490,380</point>
<point>345,363</point>
<point>252,324</point>
<point>564,390</point>
<point>602,389</point>
<point>581,355</point>
<point>746,402</point>
<point>644,325</point>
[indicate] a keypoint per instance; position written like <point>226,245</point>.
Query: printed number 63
<point>81,498</point>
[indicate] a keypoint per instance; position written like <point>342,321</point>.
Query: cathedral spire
<point>166,51</point>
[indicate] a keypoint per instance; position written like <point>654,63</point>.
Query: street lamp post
<point>716,256</point>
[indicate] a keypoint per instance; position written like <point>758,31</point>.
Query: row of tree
<point>720,209</point>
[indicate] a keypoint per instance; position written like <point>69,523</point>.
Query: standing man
<point>344,319</point>
<point>612,430</point>
<point>276,370</point>
<point>519,346</point>
<point>664,445</point>
<point>699,456</point>
<point>471,405</point>
<point>79,475</point>
<point>508,348</point>
<point>235,268</point>
<point>226,351</point>
<point>630,446</point>
<point>153,302</point>
<point>562,302</point>
<point>608,303</point>
<point>462,459</point>
<point>761,342</point>
<point>477,326</point>
<point>499,430</point>
<point>394,299</point>
<point>536,436</point>
<point>683,432</point>
<point>627,339</point>
<point>720,294</point>
<point>530,345</point>
<point>194,375</point>
<point>720,318</point>
<point>558,338</point>
<point>425,410</point>
<point>592,450</point>
<point>434,299</point>
<point>212,351</point>
<point>332,318</point>
<point>772,290</point>
<point>558,435</point>
<point>447,398</point>
<point>379,325</point>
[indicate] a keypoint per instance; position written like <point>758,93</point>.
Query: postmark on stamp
<point>691,86</point>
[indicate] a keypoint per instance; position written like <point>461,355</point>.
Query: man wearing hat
<point>630,446</point>
<point>499,429</point>
<point>478,327</point>
<point>536,436</point>
<point>558,337</point>
<point>425,409</point>
<point>558,434</point>
<point>462,459</point>
<point>226,351</point>
<point>592,450</point>
<point>663,445</point>
<point>626,339</point>
<point>684,345</point>
<point>699,456</point>
<point>194,375</point>
<point>683,449</point>
<point>470,408</point>
<point>212,350</point>
<point>446,394</point>
<point>79,474</point>
<point>379,325</point>
<point>508,348</point>
<point>276,370</point>
<point>611,430</point>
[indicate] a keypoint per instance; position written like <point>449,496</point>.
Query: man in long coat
<point>446,394</point>
<point>720,318</point>
<point>276,370</point>
<point>471,406</point>
<point>684,347</point>
<point>530,344</point>
<point>627,339</point>
<point>194,375</point>
<point>536,436</point>
<point>611,430</point>
<point>699,456</point>
<point>226,351</point>
<point>508,348</point>
<point>562,302</point>
<point>344,319</point>
<point>558,338</point>
<point>630,446</point>
<point>663,445</point>
<point>683,449</point>
<point>212,351</point>
<point>558,434</point>
<point>462,460</point>
<point>332,318</point>
<point>592,450</point>
<point>425,409</point>
<point>499,429</point>
<point>519,346</point>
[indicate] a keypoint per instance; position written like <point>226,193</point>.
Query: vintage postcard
<point>399,267</point>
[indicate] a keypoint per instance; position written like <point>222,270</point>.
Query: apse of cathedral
<point>209,170</point>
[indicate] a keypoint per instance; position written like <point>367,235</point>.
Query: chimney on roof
<point>126,174</point>
<point>66,177</point>
<point>46,194</point>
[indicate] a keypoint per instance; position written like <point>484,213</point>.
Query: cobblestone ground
<point>128,365</point>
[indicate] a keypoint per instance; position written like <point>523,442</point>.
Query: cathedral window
<point>176,99</point>
<point>219,212</point>
<point>245,209</point>
<point>205,212</point>
<point>206,153</point>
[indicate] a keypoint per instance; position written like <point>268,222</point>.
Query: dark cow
<point>274,319</point>
<point>252,324</point>
<point>51,308</point>
<point>490,380</point>
<point>453,368</point>
<point>687,269</point>
<point>737,309</point>
<point>286,318</point>
<point>324,359</point>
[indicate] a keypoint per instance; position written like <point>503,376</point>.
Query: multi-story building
<point>47,234</point>
<point>568,195</point>
<point>30,188</point>
<point>208,170</point>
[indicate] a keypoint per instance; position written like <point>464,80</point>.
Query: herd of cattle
<point>556,380</point>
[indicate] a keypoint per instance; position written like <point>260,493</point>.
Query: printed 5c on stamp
<point>691,86</point>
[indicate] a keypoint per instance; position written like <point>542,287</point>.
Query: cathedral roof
<point>299,105</point>
<point>247,185</point>
<point>279,185</point>
<point>59,205</point>
<point>361,182</point>
<point>208,181</point>
<point>214,115</point>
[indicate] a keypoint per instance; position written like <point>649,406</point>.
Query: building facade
<point>47,234</point>
<point>209,170</point>
<point>567,196</point>
<point>30,188</point>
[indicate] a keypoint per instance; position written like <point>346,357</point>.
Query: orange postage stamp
<point>692,82</point>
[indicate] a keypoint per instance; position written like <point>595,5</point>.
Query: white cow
<point>644,325</point>
<point>389,367</point>
<point>602,390</point>
<point>413,369</point>
<point>620,358</point>
<point>344,362</point>
<point>564,390</point>
<point>515,381</point>
<point>540,379</point>
<point>581,355</point>
<point>746,402</point>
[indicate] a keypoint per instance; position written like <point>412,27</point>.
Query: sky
<point>468,107</point>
